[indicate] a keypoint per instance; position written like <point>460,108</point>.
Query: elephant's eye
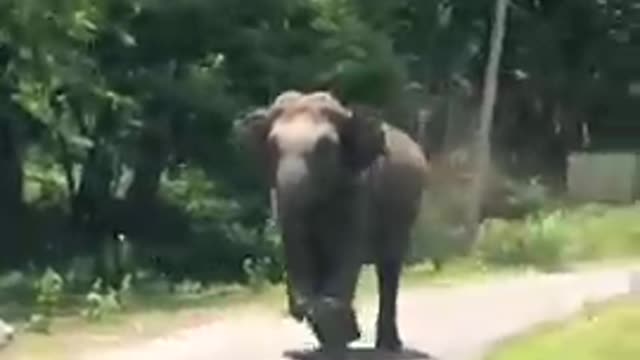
<point>325,146</point>
<point>325,153</point>
<point>272,149</point>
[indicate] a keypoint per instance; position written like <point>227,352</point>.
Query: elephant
<point>347,188</point>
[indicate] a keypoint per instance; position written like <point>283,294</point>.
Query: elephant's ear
<point>363,138</point>
<point>252,131</point>
<point>251,134</point>
<point>361,130</point>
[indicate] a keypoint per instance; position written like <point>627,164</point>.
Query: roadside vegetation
<point>50,314</point>
<point>600,332</point>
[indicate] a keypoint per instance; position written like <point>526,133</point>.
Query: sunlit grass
<point>610,332</point>
<point>601,231</point>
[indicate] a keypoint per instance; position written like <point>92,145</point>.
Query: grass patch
<point>604,332</point>
<point>603,231</point>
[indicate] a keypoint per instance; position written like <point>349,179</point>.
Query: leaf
<point>126,38</point>
<point>80,141</point>
<point>81,18</point>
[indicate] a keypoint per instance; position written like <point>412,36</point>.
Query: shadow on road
<point>361,354</point>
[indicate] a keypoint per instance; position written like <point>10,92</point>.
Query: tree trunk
<point>11,189</point>
<point>149,167</point>
<point>151,161</point>
<point>483,145</point>
<point>11,176</point>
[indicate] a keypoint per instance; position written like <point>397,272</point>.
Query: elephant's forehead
<point>300,132</point>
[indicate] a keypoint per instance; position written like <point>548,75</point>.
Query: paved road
<point>440,323</point>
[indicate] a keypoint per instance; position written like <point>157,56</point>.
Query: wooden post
<point>273,201</point>
<point>423,119</point>
<point>482,142</point>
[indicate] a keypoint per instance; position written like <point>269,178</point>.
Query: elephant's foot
<point>351,332</point>
<point>338,353</point>
<point>389,340</point>
<point>297,311</point>
<point>391,344</point>
<point>335,326</point>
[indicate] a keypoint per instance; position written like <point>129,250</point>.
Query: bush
<point>541,240</point>
<point>49,291</point>
<point>256,271</point>
<point>547,240</point>
<point>221,233</point>
<point>437,235</point>
<point>98,305</point>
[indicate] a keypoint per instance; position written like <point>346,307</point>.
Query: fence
<point>604,176</point>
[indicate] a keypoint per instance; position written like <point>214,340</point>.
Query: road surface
<point>459,323</point>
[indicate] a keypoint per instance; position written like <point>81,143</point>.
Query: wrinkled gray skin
<point>347,189</point>
<point>7,333</point>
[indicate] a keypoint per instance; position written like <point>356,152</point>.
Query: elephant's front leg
<point>334,319</point>
<point>300,267</point>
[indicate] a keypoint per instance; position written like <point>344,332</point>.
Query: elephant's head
<point>310,143</point>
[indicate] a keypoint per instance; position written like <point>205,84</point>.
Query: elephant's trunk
<point>291,196</point>
<point>292,185</point>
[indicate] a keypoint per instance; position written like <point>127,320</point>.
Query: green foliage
<point>540,240</point>
<point>188,287</point>
<point>49,292</point>
<point>551,239</point>
<point>547,242</point>
<point>601,231</point>
<point>436,235</point>
<point>99,305</point>
<point>257,272</point>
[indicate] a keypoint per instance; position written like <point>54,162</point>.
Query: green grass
<point>604,231</point>
<point>609,332</point>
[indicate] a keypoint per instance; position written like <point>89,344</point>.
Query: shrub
<point>49,291</point>
<point>501,242</point>
<point>257,271</point>
<point>547,240</point>
<point>99,305</point>
<point>541,240</point>
<point>437,235</point>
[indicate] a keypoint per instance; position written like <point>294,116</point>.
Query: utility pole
<point>482,141</point>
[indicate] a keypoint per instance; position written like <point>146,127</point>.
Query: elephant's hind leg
<point>391,246</point>
<point>387,335</point>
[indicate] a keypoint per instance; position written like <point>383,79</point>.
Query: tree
<point>483,145</point>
